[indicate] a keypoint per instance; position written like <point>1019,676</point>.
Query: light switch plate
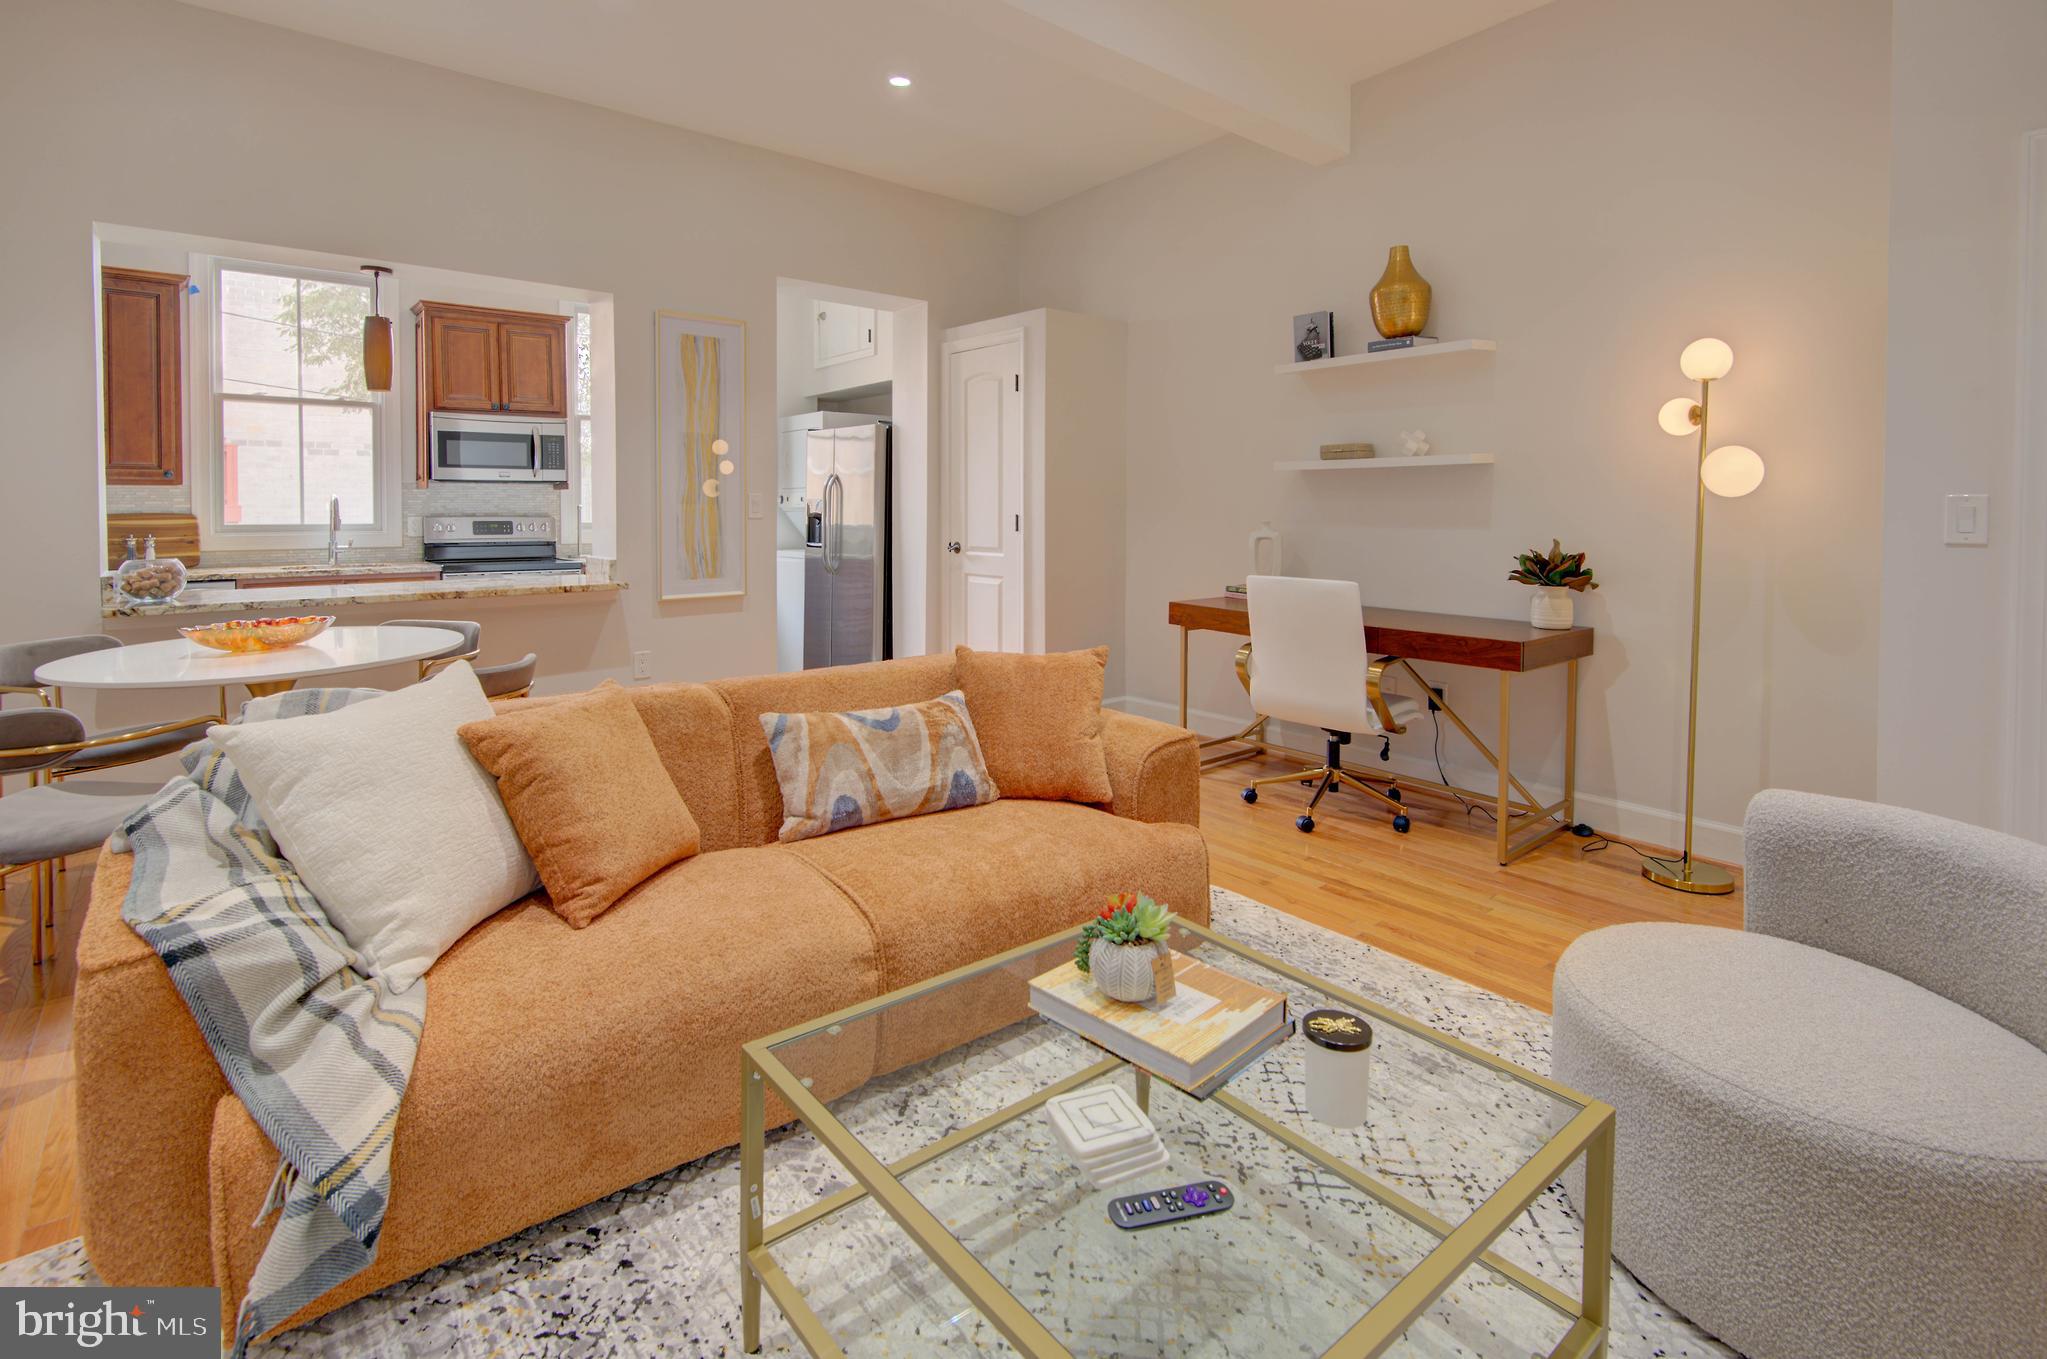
<point>1967,521</point>
<point>755,505</point>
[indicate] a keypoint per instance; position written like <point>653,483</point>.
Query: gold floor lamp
<point>1730,470</point>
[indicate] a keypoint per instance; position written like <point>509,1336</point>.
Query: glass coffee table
<point>949,1219</point>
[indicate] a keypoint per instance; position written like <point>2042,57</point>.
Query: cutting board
<point>177,535</point>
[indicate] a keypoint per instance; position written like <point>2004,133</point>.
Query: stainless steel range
<point>521,545</point>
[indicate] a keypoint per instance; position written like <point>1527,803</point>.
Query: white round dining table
<point>183,664</point>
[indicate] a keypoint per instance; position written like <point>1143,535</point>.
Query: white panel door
<point>984,471</point>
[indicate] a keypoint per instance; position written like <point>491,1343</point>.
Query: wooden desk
<point>1402,637</point>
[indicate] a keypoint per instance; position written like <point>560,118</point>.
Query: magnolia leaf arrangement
<point>1554,567</point>
<point>1129,918</point>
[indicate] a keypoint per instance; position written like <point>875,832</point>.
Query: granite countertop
<point>298,599</point>
<point>242,571</point>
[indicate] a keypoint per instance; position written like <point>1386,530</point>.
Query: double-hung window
<point>579,334</point>
<point>295,425</point>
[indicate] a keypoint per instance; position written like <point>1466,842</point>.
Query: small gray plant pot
<point>1123,971</point>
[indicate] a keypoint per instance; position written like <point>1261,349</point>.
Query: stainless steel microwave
<point>497,448</point>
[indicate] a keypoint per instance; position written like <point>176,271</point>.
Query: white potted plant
<point>1556,576</point>
<point>1117,947</point>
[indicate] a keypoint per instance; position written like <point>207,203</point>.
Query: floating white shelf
<point>1426,351</point>
<point>1384,464</point>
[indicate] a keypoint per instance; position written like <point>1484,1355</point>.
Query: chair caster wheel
<point>1304,823</point>
<point>1400,823</point>
<point>1394,793</point>
<point>1250,795</point>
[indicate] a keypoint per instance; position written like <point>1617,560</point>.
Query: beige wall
<point>1593,185</point>
<point>1967,85</point>
<point>195,122</point>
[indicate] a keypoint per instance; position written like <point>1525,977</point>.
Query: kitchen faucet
<point>334,530</point>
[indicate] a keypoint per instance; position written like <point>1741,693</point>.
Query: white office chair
<point>1309,665</point>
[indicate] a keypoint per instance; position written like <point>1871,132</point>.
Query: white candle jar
<point>1339,1066</point>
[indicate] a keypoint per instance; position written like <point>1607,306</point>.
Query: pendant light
<point>376,337</point>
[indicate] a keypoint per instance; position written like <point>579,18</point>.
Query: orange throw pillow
<point>586,791</point>
<point>1040,721</point>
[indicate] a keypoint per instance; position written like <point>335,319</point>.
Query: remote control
<point>1159,1206</point>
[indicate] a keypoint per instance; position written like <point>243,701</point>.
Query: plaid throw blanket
<point>314,1046</point>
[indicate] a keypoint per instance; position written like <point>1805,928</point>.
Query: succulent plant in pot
<point>1117,946</point>
<point>1556,575</point>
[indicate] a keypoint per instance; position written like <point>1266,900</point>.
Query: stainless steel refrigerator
<point>846,614</point>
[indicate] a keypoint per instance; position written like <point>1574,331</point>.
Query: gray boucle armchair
<point>1831,1135</point>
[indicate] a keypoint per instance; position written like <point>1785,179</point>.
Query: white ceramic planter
<point>1551,607</point>
<point>1123,971</point>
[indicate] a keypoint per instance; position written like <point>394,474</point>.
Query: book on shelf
<point>1213,1026</point>
<point>1236,589</point>
<point>1340,452</point>
<point>1402,342</point>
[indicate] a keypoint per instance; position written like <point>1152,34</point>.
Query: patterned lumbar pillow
<point>840,770</point>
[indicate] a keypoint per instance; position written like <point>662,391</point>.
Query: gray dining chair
<point>467,649</point>
<point>110,749</point>
<point>514,679</point>
<point>45,822</point>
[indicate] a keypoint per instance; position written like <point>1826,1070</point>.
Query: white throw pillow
<point>388,818</point>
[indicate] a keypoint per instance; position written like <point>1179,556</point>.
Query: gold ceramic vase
<point>1400,303</point>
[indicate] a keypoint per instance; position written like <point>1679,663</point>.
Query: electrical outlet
<point>412,526</point>
<point>1438,695</point>
<point>643,665</point>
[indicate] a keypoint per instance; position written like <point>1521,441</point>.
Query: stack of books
<point>1214,1025</point>
<point>1343,451</point>
<point>1106,1134</point>
<point>1399,342</point>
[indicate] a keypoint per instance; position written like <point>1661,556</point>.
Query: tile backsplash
<point>416,503</point>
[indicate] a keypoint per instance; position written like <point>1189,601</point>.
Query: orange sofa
<point>561,1065</point>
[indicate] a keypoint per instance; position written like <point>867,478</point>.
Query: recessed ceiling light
<point>900,82</point>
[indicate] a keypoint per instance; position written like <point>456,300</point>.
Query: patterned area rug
<point>652,1270</point>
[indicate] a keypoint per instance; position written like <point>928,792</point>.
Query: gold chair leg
<point>36,915</point>
<point>1304,776</point>
<point>1351,781</point>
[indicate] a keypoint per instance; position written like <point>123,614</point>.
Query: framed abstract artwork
<point>700,454</point>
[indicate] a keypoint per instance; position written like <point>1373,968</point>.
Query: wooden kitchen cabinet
<point>487,360</point>
<point>142,330</point>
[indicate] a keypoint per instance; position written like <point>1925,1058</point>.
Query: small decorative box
<point>1106,1134</point>
<point>1339,452</point>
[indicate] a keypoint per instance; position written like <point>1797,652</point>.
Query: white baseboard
<point>1634,821</point>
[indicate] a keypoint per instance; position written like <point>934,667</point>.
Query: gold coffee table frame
<point>1590,1133</point>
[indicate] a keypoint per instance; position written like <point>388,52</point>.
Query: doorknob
<point>952,548</point>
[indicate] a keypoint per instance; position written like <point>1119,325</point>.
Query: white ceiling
<point>1016,103</point>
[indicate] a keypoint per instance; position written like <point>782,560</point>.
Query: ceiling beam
<point>1208,59</point>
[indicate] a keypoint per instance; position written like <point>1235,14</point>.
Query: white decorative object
<point>393,824</point>
<point>1106,1134</point>
<point>1415,443</point>
<point>1265,550</point>
<point>1338,1066</point>
<point>1551,608</point>
<point>1123,971</point>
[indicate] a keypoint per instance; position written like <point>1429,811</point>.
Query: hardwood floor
<point>38,1194</point>
<point>1434,895</point>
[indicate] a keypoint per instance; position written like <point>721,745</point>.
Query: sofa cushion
<point>691,726</point>
<point>388,818</point>
<point>587,793</point>
<point>841,770</point>
<point>562,1065</point>
<point>946,890</point>
<point>840,688</point>
<point>1040,719</point>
